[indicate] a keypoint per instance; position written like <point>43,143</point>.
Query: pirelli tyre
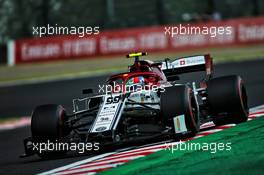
<point>48,125</point>
<point>227,100</point>
<point>179,100</point>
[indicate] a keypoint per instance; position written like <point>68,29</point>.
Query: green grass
<point>245,157</point>
<point>105,65</point>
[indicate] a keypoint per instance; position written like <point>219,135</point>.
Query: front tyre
<point>48,125</point>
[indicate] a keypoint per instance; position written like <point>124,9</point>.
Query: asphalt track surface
<point>20,100</point>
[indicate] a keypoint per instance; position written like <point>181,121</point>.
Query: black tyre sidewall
<point>47,122</point>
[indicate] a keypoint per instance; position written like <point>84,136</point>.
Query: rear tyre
<point>227,100</point>
<point>48,125</point>
<point>179,100</point>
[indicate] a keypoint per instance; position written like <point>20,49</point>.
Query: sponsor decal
<point>101,128</point>
<point>107,113</point>
<point>190,61</point>
<point>182,62</point>
<point>179,124</point>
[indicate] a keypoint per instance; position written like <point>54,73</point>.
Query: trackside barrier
<point>123,41</point>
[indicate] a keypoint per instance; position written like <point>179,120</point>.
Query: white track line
<point>92,173</point>
<point>90,169</point>
<point>132,153</point>
<point>207,125</point>
<point>118,157</point>
<point>210,131</point>
<point>197,136</point>
<point>76,163</point>
<point>95,167</point>
<point>119,160</point>
<point>257,108</point>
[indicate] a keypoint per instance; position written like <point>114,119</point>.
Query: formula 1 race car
<point>142,104</point>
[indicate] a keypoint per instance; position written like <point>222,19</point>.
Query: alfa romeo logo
<point>101,128</point>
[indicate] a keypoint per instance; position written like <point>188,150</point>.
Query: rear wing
<point>188,64</point>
